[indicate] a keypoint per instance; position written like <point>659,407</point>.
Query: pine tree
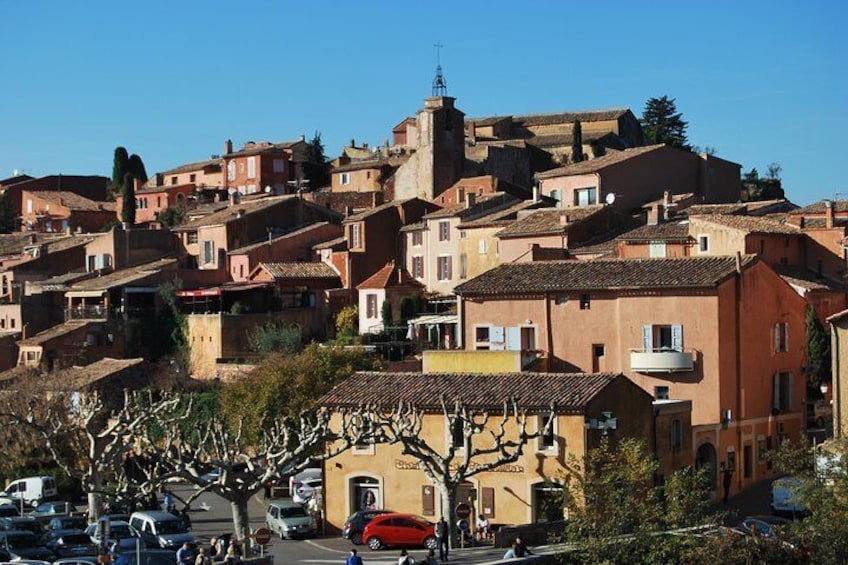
<point>316,169</point>
<point>119,169</point>
<point>577,142</point>
<point>136,167</point>
<point>128,206</point>
<point>662,123</point>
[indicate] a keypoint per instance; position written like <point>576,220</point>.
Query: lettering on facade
<point>407,465</point>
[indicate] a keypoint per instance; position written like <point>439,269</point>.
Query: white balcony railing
<point>660,361</point>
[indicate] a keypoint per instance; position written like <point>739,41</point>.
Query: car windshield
<point>21,542</point>
<point>121,532</point>
<point>293,512</point>
<point>171,527</point>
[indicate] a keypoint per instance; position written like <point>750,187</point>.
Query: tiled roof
<point>821,223</point>
<point>126,276</point>
<point>330,244</point>
<point>569,393</point>
<point>554,140</point>
<point>54,332</point>
<point>299,270</point>
<point>555,117</point>
<point>709,209</point>
<point>595,165</point>
<point>604,274</point>
<point>388,277</point>
<point>263,147</point>
<point>73,201</point>
<point>503,216</point>
<point>230,213</point>
<point>606,248</point>
<point>485,205</point>
<point>549,221</point>
<point>293,233</point>
<point>375,163</point>
<point>78,378</point>
<point>808,280</point>
<point>749,224</point>
<point>359,216</point>
<point>820,207</point>
<point>153,189</point>
<point>192,167</point>
<point>417,226</point>
<point>666,231</point>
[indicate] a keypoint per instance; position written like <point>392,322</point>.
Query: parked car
<point>121,532</point>
<point>148,557</point>
<point>53,508</point>
<point>289,520</point>
<point>69,543</point>
<point>9,510</point>
<point>304,490</point>
<point>311,473</point>
<point>786,497</point>
<point>161,529</point>
<point>407,530</point>
<point>24,545</point>
<point>31,490</point>
<point>355,524</point>
<point>21,523</point>
<point>67,523</point>
<point>763,526</point>
<point>78,560</point>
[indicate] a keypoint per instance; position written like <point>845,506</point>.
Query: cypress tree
<point>128,205</point>
<point>136,167</point>
<point>119,169</point>
<point>8,223</point>
<point>577,142</point>
<point>818,351</point>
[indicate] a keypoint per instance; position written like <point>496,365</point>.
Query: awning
<point>198,292</point>
<point>431,319</point>
<point>85,293</point>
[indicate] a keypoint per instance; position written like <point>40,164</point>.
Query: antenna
<point>610,198</point>
<point>440,86</point>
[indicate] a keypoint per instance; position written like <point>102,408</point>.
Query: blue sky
<point>760,81</point>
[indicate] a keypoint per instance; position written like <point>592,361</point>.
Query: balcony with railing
<point>661,360</point>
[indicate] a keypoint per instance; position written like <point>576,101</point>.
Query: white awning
<point>85,293</point>
<point>432,319</point>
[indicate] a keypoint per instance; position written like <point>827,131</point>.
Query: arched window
<point>365,494</point>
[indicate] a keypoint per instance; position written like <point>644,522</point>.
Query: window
<point>208,252</point>
<point>355,236</point>
<point>29,205</point>
<point>781,337</point>
<point>371,306</point>
<point>444,231</point>
<point>761,449</point>
<point>192,237</point>
<point>251,189</point>
<point>231,170</point>
<point>457,429</point>
<point>174,180</point>
<point>443,271</point>
<point>557,197</point>
<point>657,249</point>
<point>192,178</point>
<point>547,429</point>
<point>481,338</point>
<point>417,239</point>
<point>598,353</point>
<point>528,339</point>
<point>481,247</point>
<point>251,167</point>
<point>279,166</point>
<point>676,435</point>
<point>463,265</point>
<point>463,234</point>
<point>703,244</point>
<point>585,197</point>
<point>661,393</point>
<point>344,178</point>
<point>662,338</point>
<point>418,267</point>
<point>585,302</point>
<point>782,392</point>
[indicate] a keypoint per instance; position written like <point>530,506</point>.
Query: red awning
<point>199,292</point>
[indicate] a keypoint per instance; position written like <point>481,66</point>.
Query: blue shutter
<point>496,338</point>
<point>513,339</point>
<point>677,337</point>
<point>647,338</point>
<point>777,337</point>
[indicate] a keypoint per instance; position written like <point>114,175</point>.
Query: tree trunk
<point>448,494</point>
<point>241,519</point>
<point>95,496</point>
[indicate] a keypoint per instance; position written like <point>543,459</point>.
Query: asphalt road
<point>211,516</point>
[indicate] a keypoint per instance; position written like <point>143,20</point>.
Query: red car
<point>405,530</point>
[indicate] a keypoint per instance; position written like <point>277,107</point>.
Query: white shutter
<point>647,338</point>
<point>513,339</point>
<point>777,337</point>
<point>496,338</point>
<point>677,337</point>
<point>251,167</point>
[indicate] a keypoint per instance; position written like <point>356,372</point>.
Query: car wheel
<point>431,543</point>
<point>356,538</point>
<point>375,544</point>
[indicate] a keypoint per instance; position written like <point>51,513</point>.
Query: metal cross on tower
<point>440,86</point>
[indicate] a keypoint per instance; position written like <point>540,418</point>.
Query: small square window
<point>585,302</point>
<point>561,299</point>
<point>661,392</point>
<point>703,244</point>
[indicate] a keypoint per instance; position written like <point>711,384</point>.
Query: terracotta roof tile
<point>260,148</point>
<point>808,280</point>
<point>549,221</point>
<point>708,209</point>
<point>73,201</point>
<point>54,332</point>
<point>595,165</point>
<point>570,393</point>
<point>666,231</point>
<point>503,216</point>
<point>359,216</point>
<point>196,166</point>
<point>820,207</point>
<point>280,237</point>
<point>604,274</point>
<point>388,277</point>
<point>749,224</point>
<point>554,117</point>
<point>300,270</point>
<point>137,274</point>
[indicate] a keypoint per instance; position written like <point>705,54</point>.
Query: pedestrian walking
<point>353,558</point>
<point>726,481</point>
<point>442,537</point>
<point>203,558</point>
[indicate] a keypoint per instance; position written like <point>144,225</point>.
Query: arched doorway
<point>548,502</point>
<point>365,494</point>
<point>706,457</point>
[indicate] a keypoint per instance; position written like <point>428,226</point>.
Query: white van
<point>31,489</point>
<point>161,529</point>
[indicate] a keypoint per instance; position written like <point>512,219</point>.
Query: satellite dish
<point>610,198</point>
<point>267,189</point>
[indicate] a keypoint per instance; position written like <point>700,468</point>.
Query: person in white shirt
<point>482,527</point>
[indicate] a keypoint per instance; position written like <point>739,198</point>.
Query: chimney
<point>353,143</point>
<point>563,219</point>
<point>348,211</point>
<point>399,273</point>
<point>470,199</point>
<point>655,214</point>
<point>739,262</point>
<point>136,184</point>
<point>234,197</point>
<point>536,192</point>
<point>228,147</point>
<point>667,198</point>
<point>828,214</point>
